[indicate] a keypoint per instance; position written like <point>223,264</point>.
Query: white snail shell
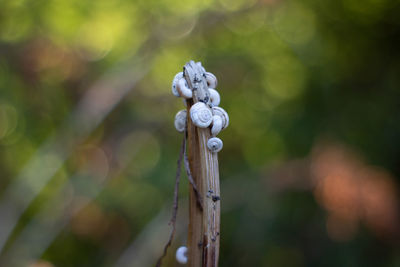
<point>223,114</point>
<point>215,99</point>
<point>201,115</point>
<point>211,80</point>
<point>180,120</point>
<point>175,83</point>
<point>215,144</point>
<point>216,125</point>
<point>181,255</point>
<point>183,89</point>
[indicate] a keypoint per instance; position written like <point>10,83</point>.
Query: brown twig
<point>192,182</point>
<point>175,207</point>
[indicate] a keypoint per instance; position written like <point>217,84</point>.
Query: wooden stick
<point>203,234</point>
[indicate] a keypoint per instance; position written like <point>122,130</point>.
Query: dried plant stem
<point>203,234</point>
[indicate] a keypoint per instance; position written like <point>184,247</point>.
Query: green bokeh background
<point>310,167</point>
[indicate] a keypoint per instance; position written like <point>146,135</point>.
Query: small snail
<point>211,80</point>
<point>183,89</point>
<point>175,83</point>
<point>180,120</point>
<point>215,144</point>
<point>216,125</point>
<point>223,114</point>
<point>181,255</point>
<point>201,115</point>
<point>215,99</point>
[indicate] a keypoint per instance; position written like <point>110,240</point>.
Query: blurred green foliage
<point>88,150</point>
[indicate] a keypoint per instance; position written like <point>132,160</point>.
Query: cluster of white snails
<point>203,114</point>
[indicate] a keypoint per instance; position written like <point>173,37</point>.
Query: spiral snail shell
<point>214,144</point>
<point>211,80</point>
<point>177,77</point>
<point>180,120</point>
<point>181,256</point>
<point>216,125</point>
<point>218,111</point>
<point>215,99</point>
<point>183,89</point>
<point>201,115</point>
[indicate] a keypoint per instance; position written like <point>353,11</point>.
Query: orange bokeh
<point>353,192</point>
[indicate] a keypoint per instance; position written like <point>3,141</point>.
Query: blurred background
<point>310,167</point>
